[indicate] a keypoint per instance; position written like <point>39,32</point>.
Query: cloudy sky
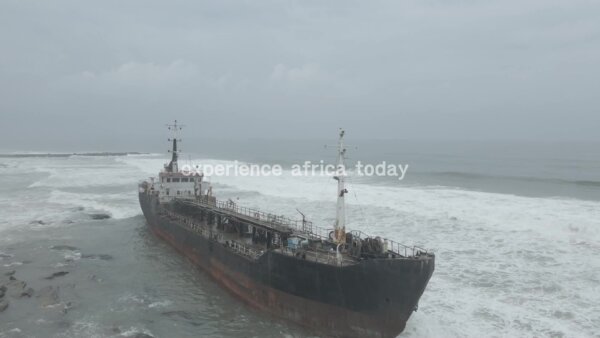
<point>102,72</point>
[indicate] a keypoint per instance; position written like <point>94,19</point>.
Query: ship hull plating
<point>373,298</point>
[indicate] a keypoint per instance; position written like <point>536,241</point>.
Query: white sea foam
<point>131,298</point>
<point>160,304</point>
<point>30,210</point>
<point>559,218</point>
<point>506,265</point>
<point>16,332</point>
<point>135,331</point>
<point>511,265</point>
<point>123,205</point>
<point>4,255</point>
<point>85,328</point>
<point>72,256</point>
<point>74,175</point>
<point>84,185</point>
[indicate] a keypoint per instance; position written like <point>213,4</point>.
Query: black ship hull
<point>373,298</point>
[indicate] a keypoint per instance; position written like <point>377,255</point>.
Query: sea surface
<point>515,229</point>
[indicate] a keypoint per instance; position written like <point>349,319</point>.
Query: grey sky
<point>113,70</point>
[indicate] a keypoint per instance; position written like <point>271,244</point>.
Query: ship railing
<point>243,249</point>
<point>303,226</point>
<point>316,255</point>
<point>271,219</point>
<point>320,233</point>
<point>307,227</point>
<point>204,231</point>
<point>276,221</point>
<point>393,246</point>
<point>147,186</point>
<point>144,186</point>
<point>194,226</point>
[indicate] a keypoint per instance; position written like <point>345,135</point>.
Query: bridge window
<point>184,179</point>
<point>175,180</point>
<point>168,180</point>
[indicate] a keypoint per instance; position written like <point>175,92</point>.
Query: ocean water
<point>516,237</point>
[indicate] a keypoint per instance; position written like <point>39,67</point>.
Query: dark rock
<point>179,313</point>
<point>64,248</point>
<point>2,291</point>
<point>10,273</point>
<point>37,221</point>
<point>99,216</point>
<point>57,274</point>
<point>15,288</point>
<point>95,278</point>
<point>68,221</point>
<point>4,255</point>
<point>66,307</point>
<point>28,292</point>
<point>103,257</point>
<point>48,296</point>
<point>3,305</point>
<point>12,278</point>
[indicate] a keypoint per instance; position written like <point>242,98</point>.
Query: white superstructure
<point>173,183</point>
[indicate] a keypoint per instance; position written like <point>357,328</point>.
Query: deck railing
<point>205,232</point>
<point>317,255</point>
<point>307,227</point>
<point>273,220</point>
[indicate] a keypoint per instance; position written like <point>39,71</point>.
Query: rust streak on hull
<point>324,318</point>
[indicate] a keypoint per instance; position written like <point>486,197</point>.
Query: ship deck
<point>283,225</point>
<point>318,256</point>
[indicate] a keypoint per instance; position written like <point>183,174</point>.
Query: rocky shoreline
<point>13,289</point>
<point>54,299</point>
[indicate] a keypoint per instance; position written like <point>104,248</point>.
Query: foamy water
<point>507,265</point>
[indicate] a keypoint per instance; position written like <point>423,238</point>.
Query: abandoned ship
<point>336,282</point>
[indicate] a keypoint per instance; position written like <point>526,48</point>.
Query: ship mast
<point>340,215</point>
<point>172,167</point>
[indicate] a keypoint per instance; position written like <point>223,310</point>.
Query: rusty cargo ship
<point>336,282</point>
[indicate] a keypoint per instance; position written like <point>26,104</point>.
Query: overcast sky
<point>106,71</point>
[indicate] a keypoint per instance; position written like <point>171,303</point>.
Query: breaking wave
<point>507,264</point>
